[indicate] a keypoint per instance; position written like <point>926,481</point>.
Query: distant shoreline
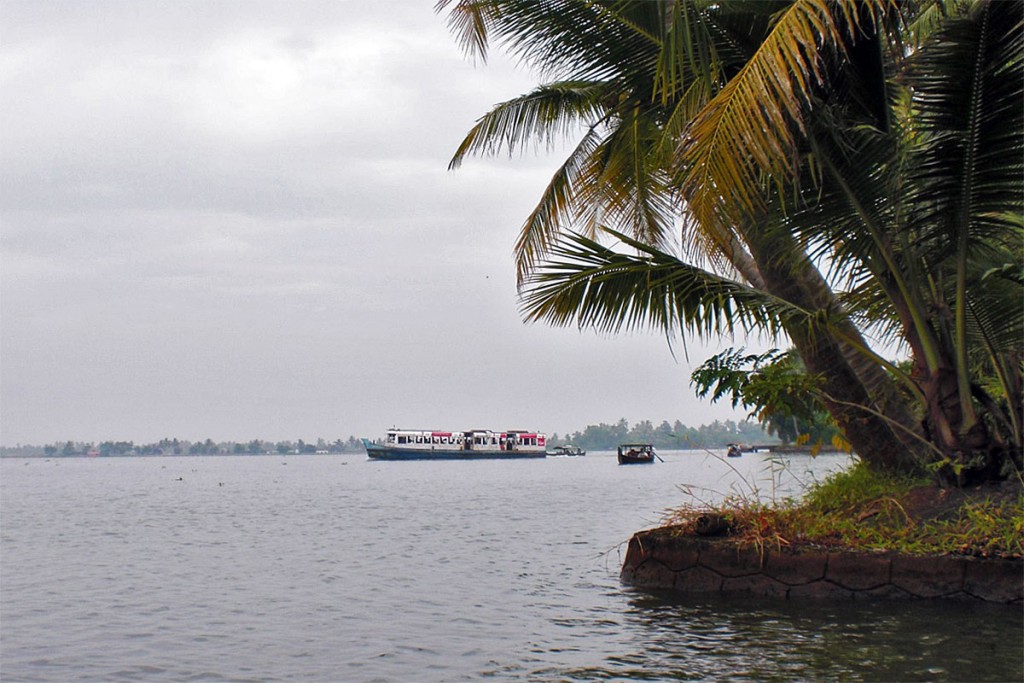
<point>59,456</point>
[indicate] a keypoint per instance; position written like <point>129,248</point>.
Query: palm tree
<point>773,132</point>
<point>932,227</point>
<point>636,98</point>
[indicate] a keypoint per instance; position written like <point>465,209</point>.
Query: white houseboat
<point>474,444</point>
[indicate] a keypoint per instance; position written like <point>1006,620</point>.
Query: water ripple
<point>245,570</point>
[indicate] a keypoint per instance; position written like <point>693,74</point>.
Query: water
<point>333,568</point>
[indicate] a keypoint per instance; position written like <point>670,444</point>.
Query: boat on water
<point>636,454</point>
<point>473,444</point>
<point>734,450</point>
<point>567,449</point>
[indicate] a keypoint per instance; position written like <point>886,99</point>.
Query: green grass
<point>863,509</point>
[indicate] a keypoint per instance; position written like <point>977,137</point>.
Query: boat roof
<point>434,432</point>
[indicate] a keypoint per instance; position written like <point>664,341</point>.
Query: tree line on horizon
<point>184,447</point>
<point>602,436</point>
<point>677,436</point>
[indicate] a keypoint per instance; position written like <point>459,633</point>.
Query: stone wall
<point>660,558</point>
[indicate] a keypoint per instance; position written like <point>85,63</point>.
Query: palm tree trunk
<point>788,274</point>
<point>878,384</point>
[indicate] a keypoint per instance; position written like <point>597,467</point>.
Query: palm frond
<point>468,20</point>
<point>995,300</point>
<point>968,84</point>
<point>688,54</point>
<point>749,130</point>
<point>931,17</point>
<point>541,116</point>
<point>630,188</point>
<point>570,38</point>
<point>615,177</point>
<point>592,286</point>
<point>559,205</point>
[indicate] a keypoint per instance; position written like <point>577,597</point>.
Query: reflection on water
<point>673,637</point>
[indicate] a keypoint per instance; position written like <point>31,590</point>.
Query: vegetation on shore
<point>863,508</point>
<point>677,436</point>
<point>63,449</point>
<point>597,437</point>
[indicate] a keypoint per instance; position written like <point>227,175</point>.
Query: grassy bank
<point>861,509</point>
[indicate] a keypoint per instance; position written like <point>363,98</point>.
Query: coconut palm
<point>771,130</point>
<point>931,233</point>
<point>636,100</point>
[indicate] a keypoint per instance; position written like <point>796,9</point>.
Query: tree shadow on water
<point>711,637</point>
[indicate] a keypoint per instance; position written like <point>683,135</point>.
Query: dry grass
<point>862,509</point>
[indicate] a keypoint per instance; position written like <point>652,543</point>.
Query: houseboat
<point>474,444</point>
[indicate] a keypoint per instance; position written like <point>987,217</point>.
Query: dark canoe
<point>636,454</point>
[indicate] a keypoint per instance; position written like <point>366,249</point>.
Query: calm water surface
<point>333,568</point>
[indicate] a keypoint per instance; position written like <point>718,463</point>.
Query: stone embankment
<point>663,558</point>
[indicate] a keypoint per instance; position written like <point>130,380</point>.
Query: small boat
<point>567,449</point>
<point>734,451</point>
<point>473,444</point>
<point>636,454</point>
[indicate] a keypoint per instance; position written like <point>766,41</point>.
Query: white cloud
<point>235,220</point>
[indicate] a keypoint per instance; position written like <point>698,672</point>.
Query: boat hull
<point>385,453</point>
<point>623,460</point>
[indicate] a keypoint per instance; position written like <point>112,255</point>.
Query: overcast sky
<point>234,220</point>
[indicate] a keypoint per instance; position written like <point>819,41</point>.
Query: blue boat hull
<point>376,452</point>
